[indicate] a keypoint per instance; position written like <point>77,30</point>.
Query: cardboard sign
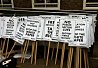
<point>66,30</point>
<point>90,30</point>
<point>56,27</point>
<point>1,25</point>
<point>20,30</point>
<point>56,30</point>
<point>49,25</point>
<point>41,26</point>
<point>80,36</point>
<point>10,25</point>
<point>31,29</point>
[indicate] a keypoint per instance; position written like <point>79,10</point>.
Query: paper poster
<point>31,30</point>
<point>49,25</point>
<point>80,36</point>
<point>49,21</point>
<point>56,27</point>
<point>56,30</point>
<point>90,29</point>
<point>10,25</point>
<point>1,25</point>
<point>89,41</point>
<point>40,29</point>
<point>41,25</point>
<point>20,30</point>
<point>77,16</point>
<point>66,30</point>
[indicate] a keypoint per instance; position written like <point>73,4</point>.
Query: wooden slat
<point>46,4</point>
<point>92,3</point>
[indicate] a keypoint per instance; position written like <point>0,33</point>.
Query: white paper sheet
<point>31,29</point>
<point>20,30</point>
<point>10,25</point>
<point>66,30</point>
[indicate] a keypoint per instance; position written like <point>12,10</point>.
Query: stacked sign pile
<point>77,30</point>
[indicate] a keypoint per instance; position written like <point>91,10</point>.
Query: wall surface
<point>65,4</point>
<point>72,4</point>
<point>23,3</point>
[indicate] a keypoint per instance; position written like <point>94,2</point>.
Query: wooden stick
<point>33,45</point>
<point>62,56</point>
<point>11,49</point>
<point>80,58</point>
<point>75,57</point>
<point>3,45</point>
<point>35,53</point>
<point>7,48</point>
<point>87,60</point>
<point>77,60</point>
<point>48,53</point>
<point>84,59</point>
<point>52,53</point>
<point>57,53</point>
<point>69,58</point>
<point>44,52</point>
<point>25,44</point>
<point>25,52</point>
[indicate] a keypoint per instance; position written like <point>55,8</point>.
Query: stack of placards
<point>76,30</point>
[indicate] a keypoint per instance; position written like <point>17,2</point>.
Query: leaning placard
<point>1,26</point>
<point>10,25</point>
<point>66,30</point>
<point>41,27</point>
<point>31,29</point>
<point>20,30</point>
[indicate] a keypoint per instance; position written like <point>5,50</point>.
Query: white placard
<point>9,28</point>
<point>20,30</point>
<point>41,26</point>
<point>80,36</point>
<point>66,30</point>
<point>90,30</point>
<point>56,30</point>
<point>1,25</point>
<point>56,27</point>
<point>49,25</point>
<point>31,29</point>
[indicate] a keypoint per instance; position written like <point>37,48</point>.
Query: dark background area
<point>65,4</point>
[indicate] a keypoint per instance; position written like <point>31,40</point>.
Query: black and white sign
<point>9,28</point>
<point>31,30</point>
<point>80,36</point>
<point>41,25</point>
<point>20,30</point>
<point>1,26</point>
<point>77,30</point>
<point>49,25</point>
<point>66,30</point>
